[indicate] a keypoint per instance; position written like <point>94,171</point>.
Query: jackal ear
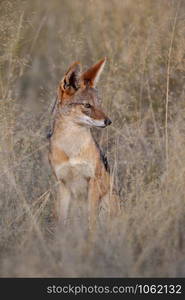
<point>71,81</point>
<point>92,75</point>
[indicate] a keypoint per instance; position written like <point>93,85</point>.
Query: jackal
<point>79,165</point>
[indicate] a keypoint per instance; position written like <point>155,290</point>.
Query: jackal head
<point>78,91</point>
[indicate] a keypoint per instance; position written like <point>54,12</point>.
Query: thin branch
<point>167,87</point>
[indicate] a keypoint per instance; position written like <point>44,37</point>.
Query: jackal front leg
<point>93,204</point>
<point>64,198</point>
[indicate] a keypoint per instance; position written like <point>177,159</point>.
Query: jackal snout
<point>85,114</point>
<point>94,116</point>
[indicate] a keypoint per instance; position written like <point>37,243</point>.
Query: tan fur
<point>74,155</point>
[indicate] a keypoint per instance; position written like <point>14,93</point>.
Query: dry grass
<point>143,90</point>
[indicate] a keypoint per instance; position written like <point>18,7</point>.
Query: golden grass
<point>142,89</point>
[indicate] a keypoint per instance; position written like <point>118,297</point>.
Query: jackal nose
<point>107,122</point>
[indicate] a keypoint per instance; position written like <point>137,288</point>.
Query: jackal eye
<point>87,105</point>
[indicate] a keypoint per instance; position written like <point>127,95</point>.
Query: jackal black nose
<point>107,122</point>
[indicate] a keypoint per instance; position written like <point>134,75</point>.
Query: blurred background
<point>142,89</point>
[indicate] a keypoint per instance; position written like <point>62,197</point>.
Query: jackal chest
<point>79,160</point>
<point>75,174</point>
<point>74,169</point>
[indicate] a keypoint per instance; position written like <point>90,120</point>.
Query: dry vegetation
<point>143,90</point>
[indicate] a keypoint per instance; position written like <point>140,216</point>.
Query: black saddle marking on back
<point>103,157</point>
<point>49,134</point>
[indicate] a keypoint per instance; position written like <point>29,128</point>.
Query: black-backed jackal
<point>78,163</point>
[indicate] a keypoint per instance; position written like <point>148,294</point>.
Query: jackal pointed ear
<point>92,75</point>
<point>71,82</point>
